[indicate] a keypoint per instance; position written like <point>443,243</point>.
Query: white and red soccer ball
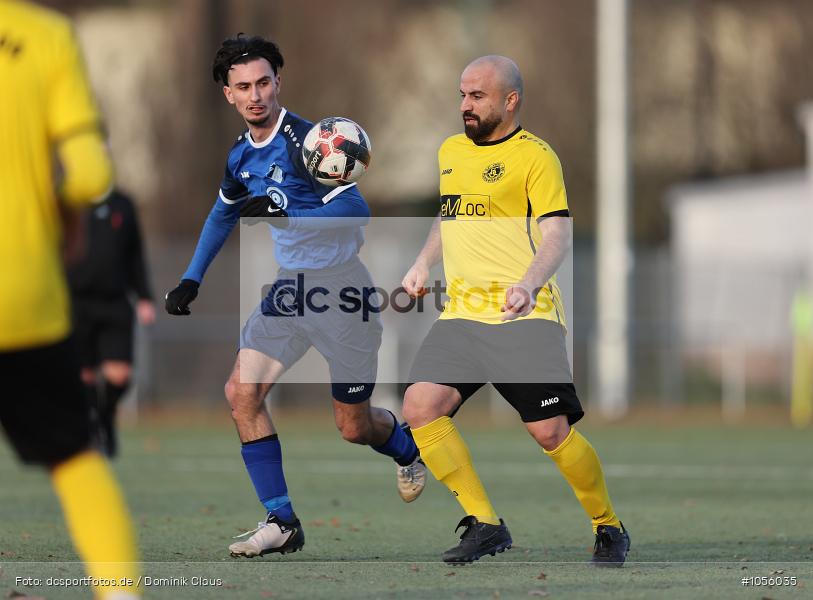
<point>336,151</point>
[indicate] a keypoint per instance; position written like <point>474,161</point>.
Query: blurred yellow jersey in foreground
<point>492,197</point>
<point>46,107</point>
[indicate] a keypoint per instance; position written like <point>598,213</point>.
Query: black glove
<point>177,300</point>
<point>260,208</point>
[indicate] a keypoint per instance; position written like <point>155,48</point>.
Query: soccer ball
<point>336,151</point>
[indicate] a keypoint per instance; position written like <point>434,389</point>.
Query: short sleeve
<point>71,107</point>
<point>231,190</point>
<point>546,186</point>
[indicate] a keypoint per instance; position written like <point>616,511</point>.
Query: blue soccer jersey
<point>318,234</point>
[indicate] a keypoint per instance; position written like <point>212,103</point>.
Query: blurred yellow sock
<point>579,463</point>
<point>446,455</point>
<point>98,521</point>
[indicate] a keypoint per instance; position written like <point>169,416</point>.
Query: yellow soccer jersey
<point>492,196</point>
<point>44,100</point>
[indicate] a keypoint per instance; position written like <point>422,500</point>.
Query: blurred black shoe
<point>478,539</point>
<point>612,545</point>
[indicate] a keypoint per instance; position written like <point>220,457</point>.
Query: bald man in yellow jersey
<point>46,107</point>
<point>502,232</point>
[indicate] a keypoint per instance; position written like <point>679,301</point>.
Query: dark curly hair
<point>240,50</point>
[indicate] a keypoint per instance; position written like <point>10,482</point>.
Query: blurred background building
<point>721,195</point>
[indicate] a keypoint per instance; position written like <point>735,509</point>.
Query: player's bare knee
<point>244,410</point>
<point>356,434</point>
<point>549,433</point>
<point>230,390</point>
<point>243,400</point>
<point>549,442</point>
<point>356,428</point>
<point>416,404</point>
<point>411,410</point>
<point>424,403</point>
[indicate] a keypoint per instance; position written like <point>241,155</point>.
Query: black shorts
<point>525,360</point>
<point>103,330</point>
<point>43,407</point>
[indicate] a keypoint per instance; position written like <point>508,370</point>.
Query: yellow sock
<point>447,456</point>
<point>98,521</point>
<point>579,463</point>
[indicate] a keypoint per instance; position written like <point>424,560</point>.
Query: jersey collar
<point>501,140</point>
<point>267,140</point>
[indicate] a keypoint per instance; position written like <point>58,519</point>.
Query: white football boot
<point>271,535</point>
<point>411,480</point>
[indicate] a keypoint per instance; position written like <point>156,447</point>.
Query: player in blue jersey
<point>317,235</point>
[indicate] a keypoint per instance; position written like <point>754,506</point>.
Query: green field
<point>705,508</point>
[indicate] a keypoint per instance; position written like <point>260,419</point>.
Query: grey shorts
<point>326,309</point>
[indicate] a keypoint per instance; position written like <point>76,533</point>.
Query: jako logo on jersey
<point>549,401</point>
<point>277,196</point>
<point>356,388</point>
<point>494,172</point>
<point>446,172</point>
<point>245,174</point>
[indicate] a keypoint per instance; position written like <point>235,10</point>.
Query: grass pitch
<point>705,507</point>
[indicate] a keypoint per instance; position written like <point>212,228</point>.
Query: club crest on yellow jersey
<point>494,172</point>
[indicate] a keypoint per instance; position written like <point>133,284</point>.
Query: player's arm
<point>342,207</point>
<point>545,189</point>
<point>87,173</point>
<point>557,237</point>
<point>74,127</point>
<point>430,255</point>
<point>221,220</point>
<point>219,224</point>
<point>72,123</point>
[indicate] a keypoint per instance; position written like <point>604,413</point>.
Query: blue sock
<point>263,460</point>
<point>400,445</point>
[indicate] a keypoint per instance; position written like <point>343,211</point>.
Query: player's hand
<point>260,208</point>
<point>145,311</point>
<point>518,302</point>
<point>413,282</point>
<point>177,300</point>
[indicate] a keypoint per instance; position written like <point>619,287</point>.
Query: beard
<point>258,121</point>
<point>483,128</point>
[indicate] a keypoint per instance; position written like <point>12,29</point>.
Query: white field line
<point>629,471</point>
<point>490,564</point>
<point>518,469</point>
